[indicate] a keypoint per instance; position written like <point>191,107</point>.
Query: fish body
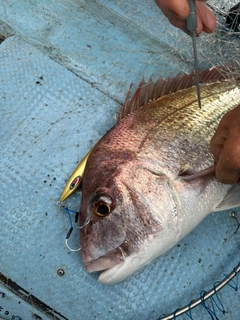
<point>138,205</point>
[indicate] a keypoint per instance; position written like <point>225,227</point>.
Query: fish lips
<point>109,260</point>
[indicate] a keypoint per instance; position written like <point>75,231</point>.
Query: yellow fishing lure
<point>76,178</point>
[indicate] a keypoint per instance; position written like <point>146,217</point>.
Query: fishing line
<point>69,211</point>
<point>232,16</point>
<point>189,313</point>
<point>210,311</point>
<point>233,214</point>
<point>216,9</point>
<point>221,307</point>
<point>205,295</point>
<point>235,282</point>
<point>70,230</point>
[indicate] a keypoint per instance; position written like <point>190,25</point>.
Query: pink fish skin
<point>138,205</point>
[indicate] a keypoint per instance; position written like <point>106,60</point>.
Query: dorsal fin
<point>148,91</point>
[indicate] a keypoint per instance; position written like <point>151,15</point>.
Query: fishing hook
<point>62,206</point>
<point>76,219</point>
<point>66,241</point>
<point>233,214</point>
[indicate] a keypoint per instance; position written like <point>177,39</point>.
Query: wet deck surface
<point>64,69</point>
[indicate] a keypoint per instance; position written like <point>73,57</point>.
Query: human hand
<point>225,146</point>
<point>177,12</point>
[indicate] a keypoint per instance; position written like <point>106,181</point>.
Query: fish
<point>134,197</point>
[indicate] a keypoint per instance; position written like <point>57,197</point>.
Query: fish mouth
<point>105,262</point>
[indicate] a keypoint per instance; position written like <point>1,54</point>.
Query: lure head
<point>75,180</point>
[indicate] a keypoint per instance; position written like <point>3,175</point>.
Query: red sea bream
<point>132,192</point>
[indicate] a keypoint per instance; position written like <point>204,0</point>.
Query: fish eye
<point>102,210</point>
<point>102,206</point>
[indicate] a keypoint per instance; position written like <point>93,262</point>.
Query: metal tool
<point>192,26</point>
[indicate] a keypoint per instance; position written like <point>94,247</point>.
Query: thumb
<point>217,141</point>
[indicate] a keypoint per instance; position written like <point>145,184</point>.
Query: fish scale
<point>189,122</point>
<point>132,194</point>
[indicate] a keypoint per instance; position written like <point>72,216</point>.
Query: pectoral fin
<point>231,200</point>
<point>188,177</point>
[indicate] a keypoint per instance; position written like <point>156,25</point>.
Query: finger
<point>224,173</point>
<point>206,18</point>
<point>177,22</point>
<point>228,165</point>
<point>216,144</point>
<point>218,140</point>
<point>228,128</point>
<point>179,7</point>
<point>176,11</point>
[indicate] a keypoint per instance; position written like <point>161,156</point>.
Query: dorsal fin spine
<point>154,90</point>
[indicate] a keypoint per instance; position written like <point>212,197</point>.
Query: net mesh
<point>221,47</point>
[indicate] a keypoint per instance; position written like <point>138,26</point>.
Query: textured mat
<point>50,117</point>
<point>99,45</point>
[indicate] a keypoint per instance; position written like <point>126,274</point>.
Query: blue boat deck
<point>65,66</point>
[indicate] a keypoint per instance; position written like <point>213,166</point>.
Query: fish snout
<point>104,262</point>
<point>85,256</point>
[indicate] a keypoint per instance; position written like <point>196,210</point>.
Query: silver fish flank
<point>138,205</point>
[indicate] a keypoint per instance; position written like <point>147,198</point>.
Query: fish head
<point>128,224</point>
